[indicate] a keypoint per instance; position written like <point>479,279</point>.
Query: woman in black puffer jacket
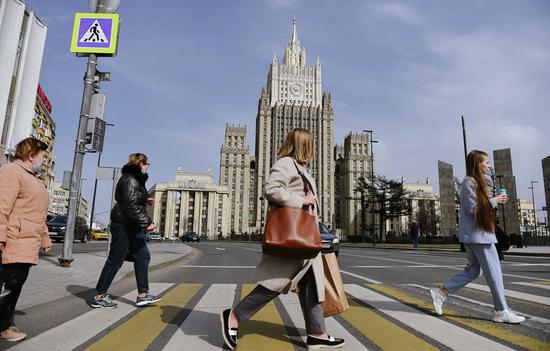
<point>129,225</point>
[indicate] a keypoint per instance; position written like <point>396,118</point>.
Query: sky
<point>405,69</point>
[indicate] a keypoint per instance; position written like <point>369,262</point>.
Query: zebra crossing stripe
<point>140,330</point>
<point>201,329</point>
<point>382,332</point>
<point>77,331</point>
<point>532,285</point>
<point>265,330</point>
<point>486,327</point>
<point>514,294</point>
<point>444,332</point>
<point>292,305</point>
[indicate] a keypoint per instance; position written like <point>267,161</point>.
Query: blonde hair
<point>298,145</point>
<point>137,159</point>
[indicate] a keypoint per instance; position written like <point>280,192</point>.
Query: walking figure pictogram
<point>95,32</point>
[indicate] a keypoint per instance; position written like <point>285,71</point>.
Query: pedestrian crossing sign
<point>95,33</point>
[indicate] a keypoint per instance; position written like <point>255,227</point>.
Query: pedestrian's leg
<point>142,257</point>
<point>16,274</point>
<point>117,253</point>
<point>311,307</point>
<point>471,272</point>
<point>253,302</point>
<point>488,258</point>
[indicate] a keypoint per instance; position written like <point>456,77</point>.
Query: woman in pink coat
<point>23,231</point>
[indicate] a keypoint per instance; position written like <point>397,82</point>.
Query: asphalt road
<point>390,307</point>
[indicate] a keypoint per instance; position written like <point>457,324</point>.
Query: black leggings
<point>15,275</point>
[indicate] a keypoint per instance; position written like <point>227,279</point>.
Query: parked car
<point>154,237</point>
<point>56,229</point>
<point>190,237</point>
<point>330,241</point>
<point>99,235</point>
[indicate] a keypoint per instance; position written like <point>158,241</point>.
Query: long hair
<point>484,216</point>
<point>298,145</point>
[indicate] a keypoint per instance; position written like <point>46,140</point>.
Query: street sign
<point>95,33</point>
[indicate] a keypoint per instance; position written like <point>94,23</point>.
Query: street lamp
<point>95,183</point>
<point>534,206</point>
<point>105,6</point>
<point>371,141</point>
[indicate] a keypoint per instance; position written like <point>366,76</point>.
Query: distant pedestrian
<point>276,275</point>
<point>476,230</point>
<point>23,232</point>
<point>129,226</point>
<point>414,234</point>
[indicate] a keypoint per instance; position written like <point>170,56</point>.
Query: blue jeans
<point>481,257</point>
<point>126,240</point>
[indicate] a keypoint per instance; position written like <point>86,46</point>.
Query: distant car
<point>56,229</point>
<point>190,237</point>
<point>99,235</point>
<point>154,237</point>
<point>329,239</point>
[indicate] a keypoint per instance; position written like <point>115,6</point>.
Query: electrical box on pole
<point>95,133</point>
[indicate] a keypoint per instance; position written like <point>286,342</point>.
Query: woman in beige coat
<point>276,275</point>
<point>23,231</point>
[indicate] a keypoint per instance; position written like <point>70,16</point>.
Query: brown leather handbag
<point>292,232</point>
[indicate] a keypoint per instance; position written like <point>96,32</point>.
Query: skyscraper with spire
<point>293,98</point>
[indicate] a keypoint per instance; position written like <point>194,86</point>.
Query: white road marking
<point>438,329</point>
<point>372,281</point>
<point>201,330</point>
<point>454,296</point>
<point>515,294</point>
<point>77,331</point>
<point>292,305</point>
<point>540,286</point>
<point>218,267</point>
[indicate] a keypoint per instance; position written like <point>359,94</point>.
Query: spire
<point>294,38</point>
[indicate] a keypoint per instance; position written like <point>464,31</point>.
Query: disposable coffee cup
<point>501,191</point>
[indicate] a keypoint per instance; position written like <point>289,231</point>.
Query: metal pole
<point>464,139</point>
<point>372,187</point>
<point>534,206</point>
<point>67,254</point>
<point>95,190</point>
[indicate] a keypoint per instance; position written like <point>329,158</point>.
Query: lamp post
<point>95,184</point>
<point>371,141</point>
<point>534,206</point>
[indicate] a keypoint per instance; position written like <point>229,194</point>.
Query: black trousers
<point>15,275</point>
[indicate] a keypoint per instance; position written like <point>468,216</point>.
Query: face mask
<point>37,168</point>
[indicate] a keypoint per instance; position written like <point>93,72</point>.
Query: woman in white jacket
<point>276,275</point>
<point>476,230</point>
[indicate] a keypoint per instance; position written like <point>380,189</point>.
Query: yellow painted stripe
<point>500,331</point>
<point>535,305</point>
<point>387,335</point>
<point>264,331</point>
<point>140,330</point>
<point>543,282</point>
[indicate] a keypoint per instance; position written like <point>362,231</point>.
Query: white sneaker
<point>507,316</point>
<point>438,299</point>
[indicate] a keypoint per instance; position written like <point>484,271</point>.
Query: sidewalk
<point>48,281</point>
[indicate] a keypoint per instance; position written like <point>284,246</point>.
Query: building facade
<point>59,201</point>
<point>192,202</point>
<point>423,209</point>
<point>526,213</point>
<point>352,161</point>
<point>293,98</point>
<point>237,174</point>
<point>22,40</point>
<point>43,128</point>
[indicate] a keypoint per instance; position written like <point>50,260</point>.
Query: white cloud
<point>397,11</point>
